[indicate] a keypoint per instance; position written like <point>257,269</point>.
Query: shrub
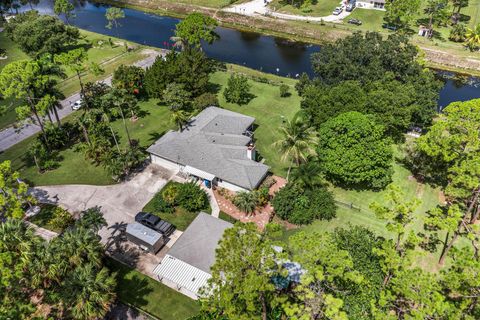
<point>237,90</point>
<point>191,197</point>
<point>245,201</point>
<point>261,196</point>
<point>298,206</point>
<point>160,205</point>
<point>170,193</point>
<point>284,90</point>
<point>130,78</point>
<point>61,218</point>
<point>268,182</point>
<point>204,101</point>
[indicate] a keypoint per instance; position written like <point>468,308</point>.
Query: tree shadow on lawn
<point>214,87</point>
<point>131,289</point>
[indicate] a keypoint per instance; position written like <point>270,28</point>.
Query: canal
<point>260,52</point>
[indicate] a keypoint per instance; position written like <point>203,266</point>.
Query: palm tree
<point>89,292</point>
<point>93,219</point>
<point>180,118</point>
<point>245,201</point>
<point>307,175</point>
<point>472,37</point>
<point>297,141</point>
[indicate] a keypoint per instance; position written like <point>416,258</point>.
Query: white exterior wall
<point>230,186</point>
<point>165,163</point>
<point>367,4</point>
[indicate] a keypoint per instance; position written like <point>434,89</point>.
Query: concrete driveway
<point>119,203</point>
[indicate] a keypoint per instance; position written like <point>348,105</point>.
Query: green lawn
<point>321,8</point>
<point>151,296</point>
<point>108,57</point>
<point>372,20</point>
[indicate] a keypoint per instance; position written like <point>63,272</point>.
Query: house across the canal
<point>217,147</point>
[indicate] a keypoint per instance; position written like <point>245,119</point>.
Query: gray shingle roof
<point>214,142</point>
<point>196,246</point>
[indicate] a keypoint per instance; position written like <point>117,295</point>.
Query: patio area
<point>260,217</point>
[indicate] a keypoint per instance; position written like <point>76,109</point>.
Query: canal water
<point>265,53</point>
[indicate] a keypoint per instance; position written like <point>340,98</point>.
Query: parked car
<point>389,27</point>
<point>76,105</point>
<point>350,7</point>
<point>155,223</point>
<point>337,11</point>
<point>355,22</point>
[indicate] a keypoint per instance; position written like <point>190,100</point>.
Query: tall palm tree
<point>472,37</point>
<point>308,175</point>
<point>89,292</point>
<point>180,118</point>
<point>297,142</point>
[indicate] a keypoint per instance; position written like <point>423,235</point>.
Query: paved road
<point>11,136</point>
<point>259,7</point>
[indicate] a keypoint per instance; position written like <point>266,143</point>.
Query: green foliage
<point>14,195</point>
<point>170,193</point>
<point>205,100</point>
<point>383,78</point>
<point>61,219</point>
<point>64,7</point>
<point>160,205</point>
<point>241,286</point>
<point>190,68</point>
<point>453,141</point>
<point>38,34</point>
<point>130,78</point>
<point>359,242</point>
<point>112,15</point>
<point>176,97</point>
<point>326,267</point>
<point>354,152</point>
<point>401,13</point>
<point>67,270</point>
<point>299,206</point>
<point>297,141</point>
<point>192,197</point>
<point>195,28</point>
<point>237,90</point>
<point>458,33</point>
<point>472,37</point>
<point>245,201</point>
<point>284,90</point>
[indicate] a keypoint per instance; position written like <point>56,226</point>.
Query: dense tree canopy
<point>191,68</point>
<point>195,28</point>
<point>63,278</point>
<point>37,34</point>
<point>371,75</point>
<point>353,151</point>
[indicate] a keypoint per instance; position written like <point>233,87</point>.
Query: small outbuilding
<point>146,238</point>
<point>186,267</point>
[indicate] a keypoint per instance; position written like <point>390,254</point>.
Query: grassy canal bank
<point>437,53</point>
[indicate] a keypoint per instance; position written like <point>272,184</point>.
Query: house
<point>217,147</point>
<point>146,238</point>
<point>186,266</point>
<point>371,4</point>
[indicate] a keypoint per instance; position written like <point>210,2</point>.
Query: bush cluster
<point>187,195</point>
<point>302,206</point>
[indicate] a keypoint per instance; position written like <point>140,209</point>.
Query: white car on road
<point>337,11</point>
<point>76,105</point>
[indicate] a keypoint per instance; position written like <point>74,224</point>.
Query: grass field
<point>149,295</point>
<point>109,58</point>
<point>321,8</point>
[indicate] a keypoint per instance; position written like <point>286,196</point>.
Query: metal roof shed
<point>144,237</point>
